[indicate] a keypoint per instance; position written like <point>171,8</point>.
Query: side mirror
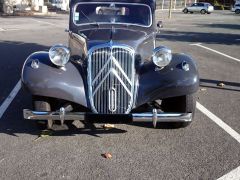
<point>160,24</point>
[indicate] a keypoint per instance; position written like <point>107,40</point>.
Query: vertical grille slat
<point>111,79</point>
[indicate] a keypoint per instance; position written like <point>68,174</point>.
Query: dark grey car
<point>112,68</point>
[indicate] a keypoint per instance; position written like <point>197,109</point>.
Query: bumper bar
<point>153,117</point>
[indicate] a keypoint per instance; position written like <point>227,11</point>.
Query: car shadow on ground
<point>217,84</point>
<point>13,56</point>
<point>13,123</point>
<point>224,26</point>
<point>199,37</point>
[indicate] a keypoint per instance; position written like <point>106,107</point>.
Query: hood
<point>127,36</point>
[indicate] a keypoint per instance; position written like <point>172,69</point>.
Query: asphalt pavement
<point>208,149</point>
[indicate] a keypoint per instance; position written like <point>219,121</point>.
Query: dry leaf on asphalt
<point>44,134</point>
<point>107,155</point>
<point>221,84</point>
<point>108,126</point>
<point>203,89</point>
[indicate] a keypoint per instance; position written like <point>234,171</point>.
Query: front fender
<point>171,81</point>
<point>51,81</point>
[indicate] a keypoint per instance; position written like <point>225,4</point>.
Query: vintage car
<point>112,68</point>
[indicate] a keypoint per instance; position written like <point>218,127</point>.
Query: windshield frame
<point>117,23</point>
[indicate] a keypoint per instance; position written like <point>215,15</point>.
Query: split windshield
<point>115,13</point>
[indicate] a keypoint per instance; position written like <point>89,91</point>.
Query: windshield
<point>115,13</point>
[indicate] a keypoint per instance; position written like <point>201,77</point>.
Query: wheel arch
<point>50,81</point>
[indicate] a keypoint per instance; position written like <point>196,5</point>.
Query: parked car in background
<point>203,8</point>
<point>236,8</point>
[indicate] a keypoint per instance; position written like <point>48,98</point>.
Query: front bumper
<point>153,117</point>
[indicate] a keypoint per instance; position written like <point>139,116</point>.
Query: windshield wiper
<point>90,20</point>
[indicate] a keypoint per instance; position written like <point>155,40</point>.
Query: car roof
<point>151,3</point>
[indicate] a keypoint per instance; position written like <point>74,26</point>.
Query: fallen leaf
<point>221,84</point>
<point>107,155</point>
<point>203,89</point>
<point>108,126</point>
<point>44,134</point>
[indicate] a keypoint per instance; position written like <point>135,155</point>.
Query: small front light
<point>59,55</point>
<point>162,56</point>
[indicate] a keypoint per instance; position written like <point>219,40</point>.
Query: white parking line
<point>200,45</point>
<point>10,98</point>
<point>168,28</point>
<point>8,29</point>
<point>44,22</point>
<point>233,175</point>
<point>219,122</point>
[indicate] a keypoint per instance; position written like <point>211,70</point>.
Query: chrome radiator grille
<point>111,79</point>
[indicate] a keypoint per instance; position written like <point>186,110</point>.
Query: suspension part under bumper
<point>153,117</point>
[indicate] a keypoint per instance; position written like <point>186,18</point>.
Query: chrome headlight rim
<point>162,56</point>
<point>59,55</point>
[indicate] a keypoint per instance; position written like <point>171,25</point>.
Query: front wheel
<point>42,104</point>
<point>180,104</point>
<point>203,11</point>
<point>237,11</point>
<point>185,10</point>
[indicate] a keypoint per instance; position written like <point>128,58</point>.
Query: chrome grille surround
<point>111,78</point>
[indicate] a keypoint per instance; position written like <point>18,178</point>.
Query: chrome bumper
<point>153,117</point>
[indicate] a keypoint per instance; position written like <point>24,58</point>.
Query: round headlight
<point>162,56</point>
<point>59,55</point>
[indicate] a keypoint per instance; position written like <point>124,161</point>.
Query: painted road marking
<point>10,98</point>
<point>233,175</point>
<point>44,22</point>
<point>9,29</point>
<point>168,29</point>
<point>230,57</point>
<point>219,122</point>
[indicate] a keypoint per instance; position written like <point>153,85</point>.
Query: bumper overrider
<point>63,115</point>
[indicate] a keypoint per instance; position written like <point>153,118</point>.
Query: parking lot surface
<point>207,149</point>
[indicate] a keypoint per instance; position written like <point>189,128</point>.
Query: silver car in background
<point>203,8</point>
<point>236,8</point>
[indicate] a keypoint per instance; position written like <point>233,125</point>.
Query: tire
<point>237,11</point>
<point>100,12</point>
<point>185,10</point>
<point>118,13</point>
<point>208,13</point>
<point>42,104</point>
<point>181,104</point>
<point>203,11</point>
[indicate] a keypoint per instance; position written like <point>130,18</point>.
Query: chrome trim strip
<point>111,58</point>
<point>133,73</point>
<point>112,100</point>
<point>105,77</point>
<point>75,6</point>
<point>120,80</point>
<point>137,117</point>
